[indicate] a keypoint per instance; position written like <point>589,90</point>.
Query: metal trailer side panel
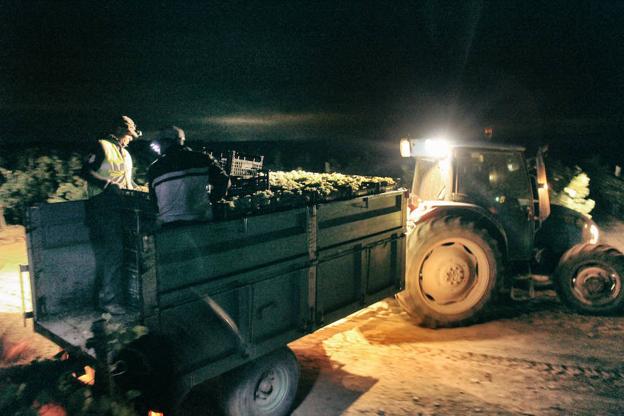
<point>269,304</point>
<point>274,277</point>
<point>342,221</point>
<point>361,253</point>
<point>266,314</point>
<point>355,275</point>
<point>253,269</point>
<point>62,271</point>
<point>60,257</point>
<point>194,254</point>
<point>273,312</point>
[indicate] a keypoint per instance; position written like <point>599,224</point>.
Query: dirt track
<point>544,361</point>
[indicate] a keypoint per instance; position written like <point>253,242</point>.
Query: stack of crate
<point>138,219</point>
<point>246,172</point>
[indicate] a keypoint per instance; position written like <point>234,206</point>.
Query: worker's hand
<point>141,188</point>
<point>113,188</point>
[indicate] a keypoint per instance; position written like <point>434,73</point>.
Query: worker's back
<point>181,182</point>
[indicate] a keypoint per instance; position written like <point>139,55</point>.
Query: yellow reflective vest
<point>115,168</point>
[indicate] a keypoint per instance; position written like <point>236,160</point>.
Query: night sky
<point>373,70</point>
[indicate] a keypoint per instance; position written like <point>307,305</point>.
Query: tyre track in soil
<point>599,383</point>
<point>562,365</point>
<point>590,374</point>
<point>535,368</point>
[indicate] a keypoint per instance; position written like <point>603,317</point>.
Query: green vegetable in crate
<point>324,183</point>
<point>296,188</point>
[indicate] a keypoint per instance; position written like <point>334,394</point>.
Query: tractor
<point>481,228</point>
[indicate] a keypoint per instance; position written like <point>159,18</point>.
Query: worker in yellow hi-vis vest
<point>107,170</point>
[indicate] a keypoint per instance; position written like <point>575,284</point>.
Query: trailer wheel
<point>145,366</point>
<point>589,279</point>
<point>263,387</point>
<point>452,270</point>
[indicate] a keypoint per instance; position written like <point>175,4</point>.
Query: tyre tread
<point>423,232</point>
<point>575,257</point>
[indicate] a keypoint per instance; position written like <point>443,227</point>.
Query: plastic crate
<point>241,185</point>
<point>240,164</point>
<point>138,218</point>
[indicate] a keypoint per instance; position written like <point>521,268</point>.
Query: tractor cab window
<point>432,181</point>
<point>492,178</point>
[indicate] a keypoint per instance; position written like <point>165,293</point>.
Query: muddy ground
<point>536,358</point>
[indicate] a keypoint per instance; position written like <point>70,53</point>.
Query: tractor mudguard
<point>471,212</point>
<point>563,229</point>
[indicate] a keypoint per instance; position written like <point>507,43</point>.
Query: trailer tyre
<point>145,366</point>
<point>264,387</point>
<point>452,270</point>
<point>589,279</point>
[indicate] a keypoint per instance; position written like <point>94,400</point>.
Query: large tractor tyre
<point>589,279</point>
<point>264,387</point>
<point>452,270</point>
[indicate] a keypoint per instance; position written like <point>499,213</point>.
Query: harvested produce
<point>299,188</point>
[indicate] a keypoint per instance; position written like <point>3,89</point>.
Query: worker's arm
<point>219,180</point>
<point>150,184</point>
<point>91,164</point>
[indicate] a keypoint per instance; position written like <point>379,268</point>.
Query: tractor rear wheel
<point>452,270</point>
<point>589,279</point>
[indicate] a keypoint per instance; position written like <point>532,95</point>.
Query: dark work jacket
<point>183,183</point>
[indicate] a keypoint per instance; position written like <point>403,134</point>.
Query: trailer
<point>219,299</point>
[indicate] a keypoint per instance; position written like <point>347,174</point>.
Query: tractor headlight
<point>594,232</point>
<point>406,148</point>
<point>437,148</point>
<point>434,148</point>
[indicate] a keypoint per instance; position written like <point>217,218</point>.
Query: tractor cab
<point>491,180</point>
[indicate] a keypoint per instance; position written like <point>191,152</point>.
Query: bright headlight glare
<point>406,148</point>
<point>437,148</point>
<point>595,234</point>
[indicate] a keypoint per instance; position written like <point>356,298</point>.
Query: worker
<point>107,170</point>
<point>183,184</point>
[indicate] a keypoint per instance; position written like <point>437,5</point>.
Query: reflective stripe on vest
<point>183,195</point>
<point>116,167</point>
